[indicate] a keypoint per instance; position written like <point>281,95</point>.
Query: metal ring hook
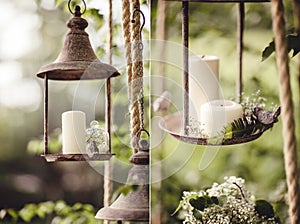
<point>77,8</point>
<point>144,20</point>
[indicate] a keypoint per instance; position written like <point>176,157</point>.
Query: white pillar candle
<point>73,132</point>
<point>203,82</point>
<point>215,115</point>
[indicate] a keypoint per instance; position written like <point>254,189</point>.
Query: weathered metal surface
<point>173,125</point>
<point>77,59</point>
<point>135,205</point>
<point>76,157</point>
<point>185,78</point>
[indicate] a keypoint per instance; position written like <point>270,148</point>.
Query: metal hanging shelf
<point>176,124</point>
<point>173,125</point>
<point>76,157</point>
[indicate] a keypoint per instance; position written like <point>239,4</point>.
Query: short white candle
<point>73,132</point>
<point>216,114</point>
<point>203,82</point>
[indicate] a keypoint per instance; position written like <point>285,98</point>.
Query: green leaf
<point>45,208</point>
<point>87,207</point>
<point>125,189</point>
<point>28,212</point>
<point>77,206</point>
<point>293,42</point>
<point>268,50</point>
<point>199,203</point>
<point>243,127</point>
<point>215,200</point>
<point>13,214</point>
<point>197,214</point>
<point>178,207</point>
<point>264,208</point>
<point>97,17</point>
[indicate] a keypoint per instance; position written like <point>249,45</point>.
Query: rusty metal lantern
<point>77,61</point>
<point>135,205</point>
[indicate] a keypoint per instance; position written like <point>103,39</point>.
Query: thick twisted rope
<point>127,40</point>
<point>290,148</point>
<point>137,73</point>
<point>108,188</point>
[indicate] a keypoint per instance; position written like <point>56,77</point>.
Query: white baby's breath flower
<point>234,205</point>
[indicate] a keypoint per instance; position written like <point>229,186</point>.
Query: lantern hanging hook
<point>137,10</point>
<point>77,11</point>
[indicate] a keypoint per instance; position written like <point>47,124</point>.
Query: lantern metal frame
<point>68,67</point>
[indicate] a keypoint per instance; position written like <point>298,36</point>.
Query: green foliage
<point>36,146</point>
<point>293,45</point>
<point>264,208</point>
<point>50,212</point>
<point>203,202</point>
<point>242,127</point>
<point>96,16</point>
<point>125,189</point>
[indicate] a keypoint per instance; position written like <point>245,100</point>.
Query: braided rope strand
<point>290,148</point>
<point>108,185</point>
<point>127,40</point>
<point>137,73</point>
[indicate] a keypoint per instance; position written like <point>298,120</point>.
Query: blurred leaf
<point>215,200</point>
<point>125,189</point>
<point>35,146</point>
<point>268,50</point>
<point>87,207</point>
<point>60,205</point>
<point>264,208</point>
<point>77,206</point>
<point>97,17</point>
<point>293,44</point>
<point>59,2</point>
<point>199,203</point>
<point>197,214</point>
<point>13,214</point>
<point>28,212</point>
<point>45,208</point>
<point>178,207</point>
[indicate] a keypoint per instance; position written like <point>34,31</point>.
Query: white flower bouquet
<point>226,203</point>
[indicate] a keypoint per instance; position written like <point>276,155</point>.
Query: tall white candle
<point>215,115</point>
<point>203,82</point>
<point>73,132</point>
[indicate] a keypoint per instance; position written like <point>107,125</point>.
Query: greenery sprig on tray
<point>226,203</point>
<point>259,121</point>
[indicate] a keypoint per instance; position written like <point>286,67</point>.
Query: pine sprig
<point>243,127</point>
<point>258,122</point>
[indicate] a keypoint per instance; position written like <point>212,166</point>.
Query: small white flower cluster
<point>95,135</point>
<point>235,205</point>
<point>195,128</point>
<point>255,100</point>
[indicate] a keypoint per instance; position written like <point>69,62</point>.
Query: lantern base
<point>76,157</point>
<point>116,214</point>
